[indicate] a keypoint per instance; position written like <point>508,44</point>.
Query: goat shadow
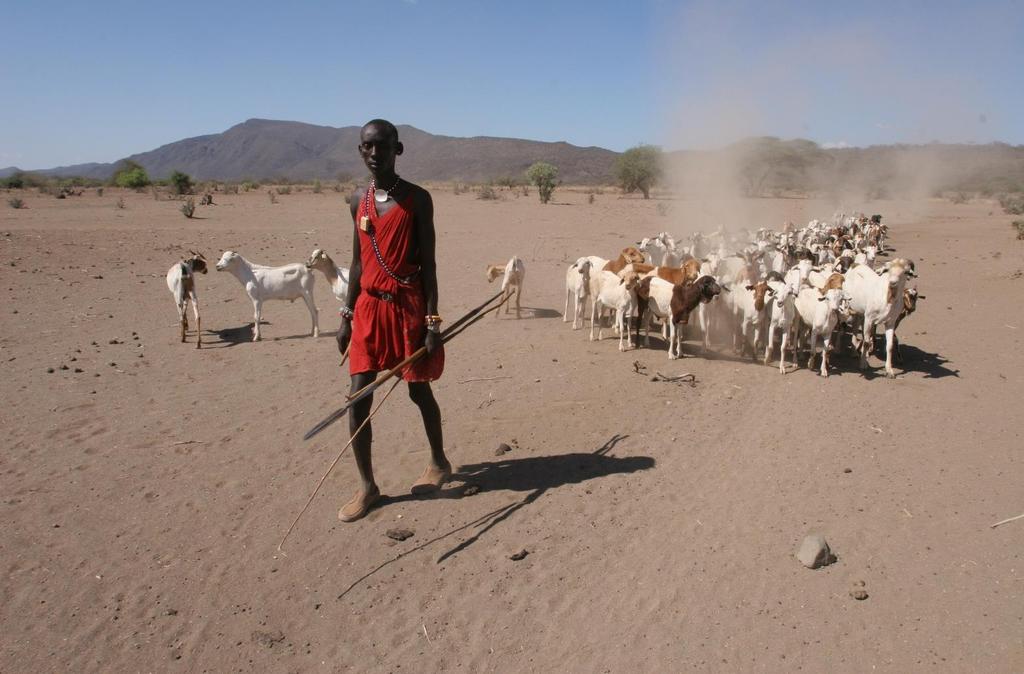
<point>242,334</point>
<point>530,312</point>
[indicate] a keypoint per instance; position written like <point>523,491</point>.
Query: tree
<point>639,168</point>
<point>181,182</point>
<point>131,174</point>
<point>545,177</point>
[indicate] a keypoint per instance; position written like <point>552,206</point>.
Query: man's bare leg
<point>439,469</point>
<point>361,446</point>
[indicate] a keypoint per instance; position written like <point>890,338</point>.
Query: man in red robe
<point>392,305</point>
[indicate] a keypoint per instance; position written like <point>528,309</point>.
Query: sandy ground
<point>144,497</point>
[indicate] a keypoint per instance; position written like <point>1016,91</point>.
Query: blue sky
<point>98,81</point>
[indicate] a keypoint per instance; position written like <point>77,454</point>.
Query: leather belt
<point>386,296</point>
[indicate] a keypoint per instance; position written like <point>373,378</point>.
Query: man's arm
<point>355,274</point>
<point>426,238</point>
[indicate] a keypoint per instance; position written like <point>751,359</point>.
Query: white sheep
<point>262,283</point>
<point>182,284</point>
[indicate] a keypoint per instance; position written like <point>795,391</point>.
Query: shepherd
<point>391,309</point>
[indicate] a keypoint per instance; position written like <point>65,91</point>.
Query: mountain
<point>267,149</point>
<point>764,166</point>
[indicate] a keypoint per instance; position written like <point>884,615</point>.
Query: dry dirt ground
<point>143,497</point>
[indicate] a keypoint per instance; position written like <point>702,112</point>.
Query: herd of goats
<point>802,284</point>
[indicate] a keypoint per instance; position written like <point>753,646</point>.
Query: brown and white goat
<point>513,274</point>
<point>181,282</point>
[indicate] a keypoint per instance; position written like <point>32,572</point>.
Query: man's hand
<point>432,341</point>
<point>344,335</point>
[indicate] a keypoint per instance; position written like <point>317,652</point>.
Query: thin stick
<point>1008,519</point>
<point>463,381</point>
<point>344,356</point>
<point>449,334</point>
<point>333,464</point>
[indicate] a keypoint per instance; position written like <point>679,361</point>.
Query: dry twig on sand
<point>1007,520</point>
<point>688,378</point>
<point>463,381</point>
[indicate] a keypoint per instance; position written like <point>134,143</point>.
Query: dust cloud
<point>743,82</point>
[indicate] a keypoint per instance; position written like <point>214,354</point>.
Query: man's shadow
<point>534,475</point>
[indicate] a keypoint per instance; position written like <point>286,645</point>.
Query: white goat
<point>513,274</point>
<point>819,310</point>
<point>879,299</point>
<point>577,285</point>
<point>782,311</point>
<point>182,284</point>
<point>618,294</point>
<point>262,283</point>
<point>335,275</point>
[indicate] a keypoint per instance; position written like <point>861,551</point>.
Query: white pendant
<point>380,196</point>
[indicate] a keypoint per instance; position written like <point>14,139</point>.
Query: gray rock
<point>814,552</point>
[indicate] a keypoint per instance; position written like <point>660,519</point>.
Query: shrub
<point>487,193</point>
<point>99,191</point>
<point>1013,204</point>
<point>639,169</point>
<point>457,188</point>
<point>338,187</point>
<point>119,204</point>
<point>250,185</point>
<point>230,188</point>
<point>590,198</point>
<point>317,187</point>
<point>545,177</point>
<point>958,198</point>
<point>662,208</point>
<point>15,202</point>
<point>15,181</point>
<point>188,208</point>
<point>181,183</point>
<point>284,189</point>
<point>131,175</point>
<point>1019,226</point>
<point>273,197</point>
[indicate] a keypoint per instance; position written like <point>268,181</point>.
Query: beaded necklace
<point>367,227</point>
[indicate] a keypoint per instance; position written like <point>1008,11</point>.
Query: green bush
<point>15,181</point>
<point>131,175</point>
<point>487,193</point>
<point>545,177</point>
<point>15,202</point>
<point>273,197</point>
<point>181,183</point>
<point>1019,226</point>
<point>188,208</point>
<point>230,188</point>
<point>250,185</point>
<point>317,187</point>
<point>284,189</point>
<point>639,169</point>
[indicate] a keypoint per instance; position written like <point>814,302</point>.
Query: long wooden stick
<point>333,464</point>
<point>449,334</point>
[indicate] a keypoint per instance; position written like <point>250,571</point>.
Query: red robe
<point>385,333</point>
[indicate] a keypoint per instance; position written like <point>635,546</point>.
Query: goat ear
<point>822,299</point>
<point>920,297</point>
<point>750,287</point>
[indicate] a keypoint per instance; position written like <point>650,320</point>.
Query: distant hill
<point>766,166</point>
<point>266,149</point>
